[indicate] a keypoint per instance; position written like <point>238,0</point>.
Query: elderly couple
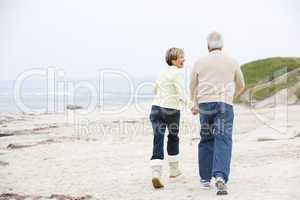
<point>215,80</point>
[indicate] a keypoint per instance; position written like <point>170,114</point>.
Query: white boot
<point>156,166</point>
<point>174,166</point>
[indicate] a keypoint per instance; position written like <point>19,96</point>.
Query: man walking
<point>215,80</point>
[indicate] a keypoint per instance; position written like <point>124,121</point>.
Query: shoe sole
<point>205,187</point>
<point>156,183</point>
<point>172,177</point>
<point>223,192</point>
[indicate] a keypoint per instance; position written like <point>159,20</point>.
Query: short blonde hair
<point>173,54</point>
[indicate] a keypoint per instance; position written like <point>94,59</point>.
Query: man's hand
<point>195,110</point>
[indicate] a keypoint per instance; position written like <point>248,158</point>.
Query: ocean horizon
<point>36,95</point>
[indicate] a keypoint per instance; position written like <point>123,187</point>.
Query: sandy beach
<point>106,156</point>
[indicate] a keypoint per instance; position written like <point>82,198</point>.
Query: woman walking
<point>165,114</point>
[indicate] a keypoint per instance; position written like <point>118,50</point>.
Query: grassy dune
<point>268,72</point>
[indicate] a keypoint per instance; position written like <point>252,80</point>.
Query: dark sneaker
<point>221,186</point>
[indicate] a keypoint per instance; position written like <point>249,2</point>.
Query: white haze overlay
<point>79,39</point>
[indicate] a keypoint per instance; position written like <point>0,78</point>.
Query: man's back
<point>216,77</point>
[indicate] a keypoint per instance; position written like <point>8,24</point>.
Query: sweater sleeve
<point>155,88</point>
<point>193,85</point>
<point>239,82</point>
<point>179,85</point>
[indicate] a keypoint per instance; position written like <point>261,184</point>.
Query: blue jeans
<point>162,118</point>
<point>215,146</point>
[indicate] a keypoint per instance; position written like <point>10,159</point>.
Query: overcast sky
<point>82,37</point>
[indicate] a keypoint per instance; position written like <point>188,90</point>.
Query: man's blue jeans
<point>215,146</point>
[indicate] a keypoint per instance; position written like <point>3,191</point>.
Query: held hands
<point>194,110</point>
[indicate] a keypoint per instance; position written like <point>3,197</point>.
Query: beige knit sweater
<point>216,77</point>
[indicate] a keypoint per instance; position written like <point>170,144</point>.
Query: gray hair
<point>173,54</point>
<point>215,40</point>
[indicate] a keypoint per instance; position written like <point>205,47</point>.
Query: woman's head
<point>175,56</point>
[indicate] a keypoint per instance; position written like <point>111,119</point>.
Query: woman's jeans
<point>215,146</point>
<point>162,118</point>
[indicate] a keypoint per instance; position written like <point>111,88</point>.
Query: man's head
<point>214,41</point>
<point>175,56</point>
